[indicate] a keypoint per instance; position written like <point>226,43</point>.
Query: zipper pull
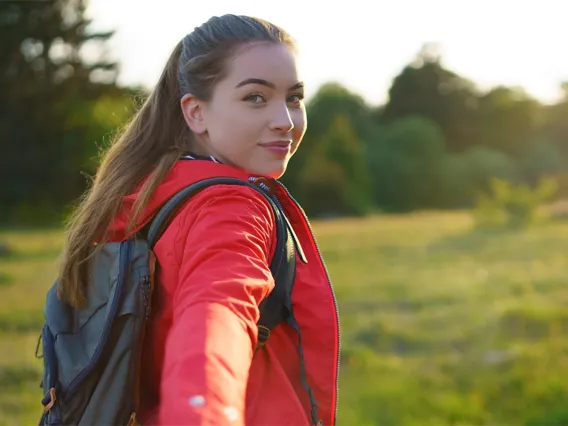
<point>146,296</point>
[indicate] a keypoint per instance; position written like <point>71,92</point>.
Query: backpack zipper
<point>147,290</point>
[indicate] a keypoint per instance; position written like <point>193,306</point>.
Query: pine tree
<point>46,79</point>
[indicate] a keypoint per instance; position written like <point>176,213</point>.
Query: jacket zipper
<point>332,294</point>
<point>297,206</point>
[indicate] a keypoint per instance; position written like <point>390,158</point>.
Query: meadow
<point>441,324</point>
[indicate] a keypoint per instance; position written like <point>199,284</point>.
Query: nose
<point>282,120</point>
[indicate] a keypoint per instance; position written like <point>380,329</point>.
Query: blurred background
<point>435,168</point>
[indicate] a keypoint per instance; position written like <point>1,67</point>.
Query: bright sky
<point>363,44</point>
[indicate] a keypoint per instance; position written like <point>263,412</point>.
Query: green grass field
<point>441,325</point>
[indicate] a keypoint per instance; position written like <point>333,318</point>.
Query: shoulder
<point>228,199</point>
<point>233,210</point>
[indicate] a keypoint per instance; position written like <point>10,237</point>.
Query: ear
<point>192,109</point>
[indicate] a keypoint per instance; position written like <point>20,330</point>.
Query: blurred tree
<point>507,120</point>
<point>330,101</point>
<point>333,99</point>
<point>334,179</point>
<point>53,71</point>
<point>426,88</point>
<point>406,164</point>
<point>485,164</point>
<point>555,127</point>
<point>454,179</point>
<point>542,158</point>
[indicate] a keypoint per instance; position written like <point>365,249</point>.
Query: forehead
<point>269,61</point>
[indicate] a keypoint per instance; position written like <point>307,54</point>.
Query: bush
<point>512,206</point>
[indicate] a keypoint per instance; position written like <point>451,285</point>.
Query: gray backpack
<point>92,356</point>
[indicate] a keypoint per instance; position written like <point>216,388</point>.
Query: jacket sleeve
<point>227,240</point>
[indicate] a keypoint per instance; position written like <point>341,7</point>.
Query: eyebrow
<point>263,82</point>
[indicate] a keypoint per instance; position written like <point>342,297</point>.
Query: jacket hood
<point>184,173</point>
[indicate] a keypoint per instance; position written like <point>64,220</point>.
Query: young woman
<point>229,103</point>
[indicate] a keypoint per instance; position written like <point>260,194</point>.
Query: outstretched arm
<point>227,238</point>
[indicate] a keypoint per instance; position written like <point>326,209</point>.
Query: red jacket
<point>200,366</point>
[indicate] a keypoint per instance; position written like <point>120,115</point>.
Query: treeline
<point>59,104</point>
<point>435,143</point>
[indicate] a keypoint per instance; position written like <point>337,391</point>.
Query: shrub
<point>512,206</point>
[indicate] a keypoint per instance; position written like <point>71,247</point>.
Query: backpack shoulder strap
<point>277,306</point>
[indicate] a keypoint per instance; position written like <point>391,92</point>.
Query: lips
<point>277,144</point>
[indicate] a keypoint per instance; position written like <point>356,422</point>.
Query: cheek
<point>300,123</point>
<point>229,123</point>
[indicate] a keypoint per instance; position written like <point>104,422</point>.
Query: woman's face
<point>255,119</point>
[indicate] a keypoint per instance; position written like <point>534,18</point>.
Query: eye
<point>255,98</point>
<point>296,99</point>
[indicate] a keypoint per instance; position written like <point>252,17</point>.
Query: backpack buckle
<point>133,421</point>
<point>52,400</point>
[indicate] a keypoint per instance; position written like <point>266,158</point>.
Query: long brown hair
<point>154,139</point>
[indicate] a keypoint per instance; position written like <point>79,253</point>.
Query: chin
<point>277,172</point>
<point>274,170</point>
<point>274,174</point>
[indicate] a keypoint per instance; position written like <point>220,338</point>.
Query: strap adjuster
<point>263,335</point>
